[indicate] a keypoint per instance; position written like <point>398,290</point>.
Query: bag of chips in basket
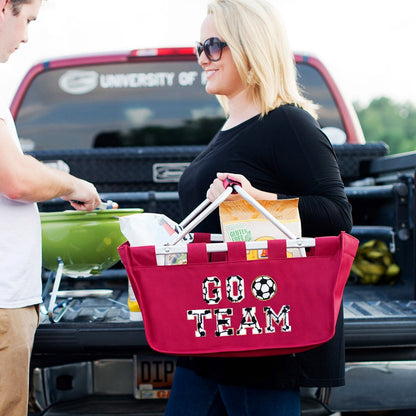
<point>240,221</point>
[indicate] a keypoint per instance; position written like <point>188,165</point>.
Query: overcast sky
<point>367,45</point>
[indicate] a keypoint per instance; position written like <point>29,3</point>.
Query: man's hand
<point>84,197</point>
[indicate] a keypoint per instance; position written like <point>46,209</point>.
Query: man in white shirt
<point>23,182</point>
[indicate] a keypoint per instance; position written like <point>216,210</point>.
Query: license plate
<point>153,376</point>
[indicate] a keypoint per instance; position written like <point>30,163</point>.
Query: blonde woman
<point>271,143</point>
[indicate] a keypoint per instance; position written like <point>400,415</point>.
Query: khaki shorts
<point>17,330</point>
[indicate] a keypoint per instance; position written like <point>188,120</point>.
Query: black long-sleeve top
<point>286,153</point>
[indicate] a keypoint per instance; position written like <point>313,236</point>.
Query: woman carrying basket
<point>272,144</point>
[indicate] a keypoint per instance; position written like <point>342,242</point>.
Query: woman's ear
<point>2,7</point>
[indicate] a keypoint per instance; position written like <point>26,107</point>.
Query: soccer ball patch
<point>264,288</point>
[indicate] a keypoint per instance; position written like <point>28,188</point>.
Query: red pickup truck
<point>130,123</point>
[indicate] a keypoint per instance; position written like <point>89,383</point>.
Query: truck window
<point>315,88</point>
<point>134,104</point>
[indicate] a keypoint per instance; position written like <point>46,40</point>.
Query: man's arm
<point>26,179</point>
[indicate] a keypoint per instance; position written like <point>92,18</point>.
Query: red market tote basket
<point>221,304</point>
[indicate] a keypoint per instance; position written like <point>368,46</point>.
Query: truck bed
<point>382,208</point>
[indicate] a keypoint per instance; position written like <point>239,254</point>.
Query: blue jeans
<point>193,395</point>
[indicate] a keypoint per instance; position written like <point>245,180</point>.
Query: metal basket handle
<point>206,208</point>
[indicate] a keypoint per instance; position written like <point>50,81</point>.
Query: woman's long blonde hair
<point>258,43</point>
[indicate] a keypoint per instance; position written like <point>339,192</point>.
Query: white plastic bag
<point>148,229</point>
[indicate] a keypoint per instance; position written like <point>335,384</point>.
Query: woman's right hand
<point>217,188</point>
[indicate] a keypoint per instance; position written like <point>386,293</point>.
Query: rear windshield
<point>134,104</point>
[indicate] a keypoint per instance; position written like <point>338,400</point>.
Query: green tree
<point>390,122</point>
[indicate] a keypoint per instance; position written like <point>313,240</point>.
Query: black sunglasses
<point>212,47</point>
